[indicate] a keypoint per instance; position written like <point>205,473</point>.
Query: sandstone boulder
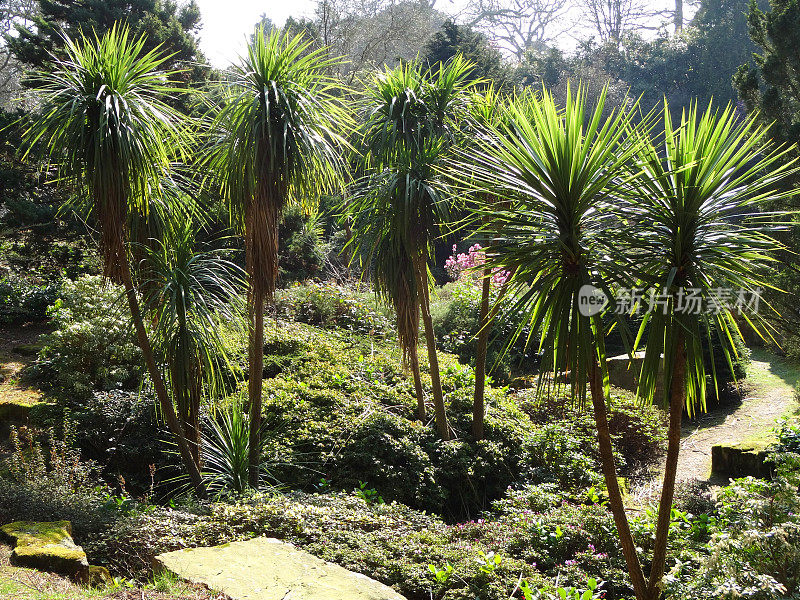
<point>269,569</point>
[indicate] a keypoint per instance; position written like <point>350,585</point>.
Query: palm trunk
<point>413,359</point>
<point>677,401</point>
<point>255,384</point>
<point>433,360</point>
<point>610,475</point>
<point>478,404</point>
<point>193,417</point>
<point>164,401</point>
<point>478,408</point>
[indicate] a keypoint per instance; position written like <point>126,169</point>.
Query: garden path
<point>768,395</point>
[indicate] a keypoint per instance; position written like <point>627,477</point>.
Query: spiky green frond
<point>556,173</point>
<point>189,292</point>
<point>280,129</point>
<point>700,226</point>
<point>106,127</point>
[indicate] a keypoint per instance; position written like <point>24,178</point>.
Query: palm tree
<point>105,124</point>
<point>275,140</point>
<point>486,110</point>
<point>402,205</point>
<point>556,174</point>
<point>189,293</point>
<point>698,228</point>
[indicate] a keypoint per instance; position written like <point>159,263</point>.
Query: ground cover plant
<point>220,328</point>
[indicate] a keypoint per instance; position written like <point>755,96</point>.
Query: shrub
<point>330,306</point>
<point>91,348</point>
<point>389,541</point>
<point>52,482</point>
<point>119,430</point>
<point>750,542</point>
<point>301,252</point>
<point>23,301</point>
<point>637,430</point>
<point>455,313</point>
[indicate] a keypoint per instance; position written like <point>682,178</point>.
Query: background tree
<point>107,127</point>
<point>453,39</point>
<point>12,13</point>
<point>374,33</point>
<point>770,86</point>
<point>170,26</point>
<point>275,140</point>
<point>520,25</point>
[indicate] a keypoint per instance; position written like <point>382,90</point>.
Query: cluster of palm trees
<point>563,195</point>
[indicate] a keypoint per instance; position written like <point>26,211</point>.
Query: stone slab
<point>269,569</point>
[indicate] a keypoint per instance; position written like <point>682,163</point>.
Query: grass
<point>12,390</point>
<point>26,584</point>
<point>778,373</point>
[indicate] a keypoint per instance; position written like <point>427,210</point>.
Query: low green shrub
<point>455,313</point>
<point>638,430</point>
<point>329,305</point>
<point>22,301</point>
<point>92,346</point>
<point>397,545</point>
<point>340,407</point>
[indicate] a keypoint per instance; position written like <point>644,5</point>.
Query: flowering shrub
<point>92,346</point>
<point>455,313</point>
<point>469,264</point>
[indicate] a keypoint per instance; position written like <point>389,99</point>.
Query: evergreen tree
<point>453,39</point>
<point>771,85</point>
<point>168,24</point>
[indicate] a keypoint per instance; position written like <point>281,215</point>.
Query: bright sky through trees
<point>228,23</point>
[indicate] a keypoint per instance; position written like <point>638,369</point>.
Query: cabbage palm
<point>189,292</point>
<point>698,229</point>
<point>105,125</point>
<point>275,140</point>
<point>402,205</point>
<point>556,173</point>
<point>486,110</point>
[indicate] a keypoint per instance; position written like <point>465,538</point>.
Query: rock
<point>47,547</point>
<point>96,577</point>
<point>741,460</point>
<point>268,569</point>
<point>623,372</point>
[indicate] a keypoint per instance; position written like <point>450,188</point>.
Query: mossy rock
<point>95,577</point>
<point>745,459</point>
<point>46,546</point>
<point>11,412</point>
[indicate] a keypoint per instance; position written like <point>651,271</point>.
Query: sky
<point>227,23</point>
